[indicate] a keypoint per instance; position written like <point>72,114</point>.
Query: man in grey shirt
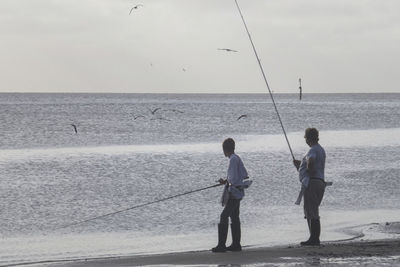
<point>312,169</point>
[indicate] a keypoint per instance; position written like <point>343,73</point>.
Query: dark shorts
<point>313,197</point>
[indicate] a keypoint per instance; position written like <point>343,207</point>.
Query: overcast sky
<point>172,46</point>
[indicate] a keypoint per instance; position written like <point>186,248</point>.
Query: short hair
<point>228,145</point>
<point>312,134</point>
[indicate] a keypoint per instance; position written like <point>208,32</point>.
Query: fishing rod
<point>136,207</point>
<point>264,76</point>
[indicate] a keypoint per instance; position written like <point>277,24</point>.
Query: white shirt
<point>236,170</point>
<point>235,176</point>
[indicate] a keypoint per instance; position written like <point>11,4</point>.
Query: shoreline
<point>369,250</point>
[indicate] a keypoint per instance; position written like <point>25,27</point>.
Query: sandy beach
<point>377,252</point>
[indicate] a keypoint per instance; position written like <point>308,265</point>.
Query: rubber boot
<point>236,235</point>
<point>309,225</point>
<point>303,243</point>
<point>315,226</point>
<point>222,234</point>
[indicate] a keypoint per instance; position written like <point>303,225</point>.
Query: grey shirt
<point>317,153</point>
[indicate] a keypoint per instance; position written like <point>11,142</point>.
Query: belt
<point>316,178</point>
<point>322,180</point>
<point>235,186</point>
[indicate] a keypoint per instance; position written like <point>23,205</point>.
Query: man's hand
<point>222,181</point>
<point>297,163</point>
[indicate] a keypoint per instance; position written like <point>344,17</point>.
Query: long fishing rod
<point>136,207</point>
<point>264,76</point>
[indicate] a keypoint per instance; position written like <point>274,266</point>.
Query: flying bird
<point>138,116</point>
<point>175,110</point>
<point>75,129</point>
<point>154,110</point>
<point>161,119</point>
<point>228,50</point>
<point>135,7</point>
<point>242,116</point>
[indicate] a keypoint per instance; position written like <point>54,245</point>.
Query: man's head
<point>228,146</point>
<point>311,136</point>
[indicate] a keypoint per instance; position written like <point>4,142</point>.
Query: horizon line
<point>196,93</point>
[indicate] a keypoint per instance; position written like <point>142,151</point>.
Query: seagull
<point>242,116</point>
<point>228,50</point>
<point>135,7</point>
<point>175,110</point>
<point>138,116</point>
<point>161,119</point>
<point>154,110</point>
<point>75,129</point>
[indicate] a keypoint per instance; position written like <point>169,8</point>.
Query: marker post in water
<point>301,91</point>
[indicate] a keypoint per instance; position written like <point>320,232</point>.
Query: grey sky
<point>96,46</point>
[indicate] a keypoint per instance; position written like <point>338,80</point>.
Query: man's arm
<point>297,163</point>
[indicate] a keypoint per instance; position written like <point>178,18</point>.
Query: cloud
<point>95,45</point>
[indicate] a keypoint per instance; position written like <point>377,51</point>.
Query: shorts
<point>312,198</point>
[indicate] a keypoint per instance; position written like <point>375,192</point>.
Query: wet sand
<point>367,251</point>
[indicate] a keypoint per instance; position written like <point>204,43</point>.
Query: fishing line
<point>136,207</point>
<point>264,76</point>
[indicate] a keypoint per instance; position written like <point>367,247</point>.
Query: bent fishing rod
<point>137,206</point>
<point>264,76</point>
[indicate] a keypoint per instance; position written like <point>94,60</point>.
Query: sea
<point>133,149</point>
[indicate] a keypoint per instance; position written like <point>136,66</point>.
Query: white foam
<point>345,139</point>
<point>245,143</point>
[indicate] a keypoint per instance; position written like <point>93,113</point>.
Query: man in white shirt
<point>312,175</point>
<point>233,194</point>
